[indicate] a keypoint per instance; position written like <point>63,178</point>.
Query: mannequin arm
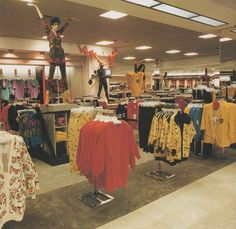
<point>38,10</point>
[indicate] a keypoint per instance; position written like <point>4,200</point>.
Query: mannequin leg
<point>99,88</point>
<point>63,75</point>
<point>66,94</point>
<point>106,89</point>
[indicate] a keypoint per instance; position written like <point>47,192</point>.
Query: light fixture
<point>148,3</point>
<point>191,54</point>
<point>144,47</point>
<point>207,36</point>
<point>44,37</point>
<point>173,51</point>
<point>129,58</point>
<point>104,42</point>
<point>207,21</point>
<point>149,59</point>
<point>223,39</point>
<point>28,1</point>
<point>61,36</point>
<point>233,30</point>
<point>10,54</point>
<point>174,10</point>
<point>113,15</point>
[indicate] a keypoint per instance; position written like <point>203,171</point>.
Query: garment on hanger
<point>105,152</point>
<point>18,177</point>
<point>78,117</point>
<point>218,123</point>
<point>171,134</point>
<point>136,82</point>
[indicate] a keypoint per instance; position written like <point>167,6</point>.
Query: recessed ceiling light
<point>44,37</point>
<point>191,54</point>
<point>147,3</point>
<point>104,42</point>
<point>174,10</point>
<point>233,30</point>
<point>207,36</point>
<point>113,14</point>
<point>207,20</point>
<point>173,51</point>
<point>149,59</point>
<point>144,47</point>
<point>129,58</point>
<point>62,36</point>
<point>223,39</point>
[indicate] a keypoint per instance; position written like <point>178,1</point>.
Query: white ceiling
<point>142,26</point>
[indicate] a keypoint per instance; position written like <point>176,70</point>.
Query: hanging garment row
<point>219,123</point>
<point>18,89</point>
<point>105,152</point>
<point>170,136</point>
<point>18,177</point>
<point>24,121</point>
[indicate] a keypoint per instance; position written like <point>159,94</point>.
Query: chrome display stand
<point>159,174</point>
<point>96,198</point>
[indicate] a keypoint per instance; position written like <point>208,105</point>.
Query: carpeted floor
<point>61,209</point>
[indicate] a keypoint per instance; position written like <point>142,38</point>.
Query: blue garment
<point>196,116</point>
<point>5,89</point>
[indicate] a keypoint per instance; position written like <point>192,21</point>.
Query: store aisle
<point>209,202</point>
<point>61,209</point>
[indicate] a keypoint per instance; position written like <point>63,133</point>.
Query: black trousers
<point>63,75</point>
<point>103,83</point>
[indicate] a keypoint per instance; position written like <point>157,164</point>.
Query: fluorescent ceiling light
<point>173,51</point>
<point>174,10</point>
<point>208,21</point>
<point>191,54</point>
<point>28,1</point>
<point>225,39</point>
<point>149,59</point>
<point>144,47</point>
<point>129,58</point>
<point>113,15</point>
<point>44,37</point>
<point>207,36</point>
<point>104,42</point>
<point>148,3</point>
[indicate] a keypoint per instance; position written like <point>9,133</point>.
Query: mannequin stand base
<point>159,175</point>
<point>95,199</point>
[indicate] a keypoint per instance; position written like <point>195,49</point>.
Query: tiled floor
<point>209,203</point>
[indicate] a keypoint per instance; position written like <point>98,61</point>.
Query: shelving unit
<point>119,87</point>
<point>54,120</point>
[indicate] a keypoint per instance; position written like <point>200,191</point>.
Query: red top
<point>105,152</point>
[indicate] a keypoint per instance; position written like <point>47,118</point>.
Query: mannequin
<point>102,81</point>
<point>56,53</point>
<point>141,68</point>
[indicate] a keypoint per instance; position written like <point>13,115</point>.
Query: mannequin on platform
<point>102,81</point>
<point>56,53</point>
<point>141,68</point>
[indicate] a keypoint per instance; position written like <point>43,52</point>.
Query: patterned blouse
<point>18,177</point>
<point>56,52</point>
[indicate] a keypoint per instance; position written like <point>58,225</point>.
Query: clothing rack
<point>158,174</point>
<point>96,198</point>
<point>19,112</point>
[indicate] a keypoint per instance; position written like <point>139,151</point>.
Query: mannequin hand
<point>31,4</point>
